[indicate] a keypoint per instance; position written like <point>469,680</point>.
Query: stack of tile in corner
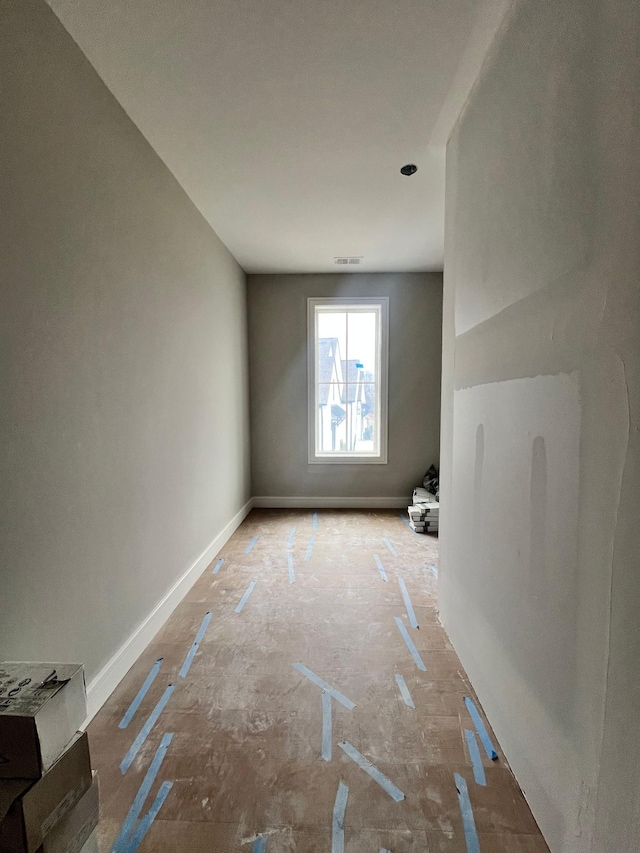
<point>49,799</point>
<point>424,511</point>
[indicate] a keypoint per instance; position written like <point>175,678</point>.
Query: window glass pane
<point>331,345</point>
<point>361,342</point>
<point>331,418</point>
<point>365,417</point>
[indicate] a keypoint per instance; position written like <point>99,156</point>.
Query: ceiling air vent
<point>345,261</point>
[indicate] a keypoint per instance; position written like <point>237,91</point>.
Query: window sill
<point>347,460</point>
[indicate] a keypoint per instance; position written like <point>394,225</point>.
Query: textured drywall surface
<point>539,581</point>
<point>124,371</point>
<point>278,370</point>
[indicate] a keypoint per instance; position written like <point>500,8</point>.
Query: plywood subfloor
<point>245,757</point>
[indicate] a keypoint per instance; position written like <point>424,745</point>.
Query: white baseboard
<point>102,686</point>
<point>268,502</point>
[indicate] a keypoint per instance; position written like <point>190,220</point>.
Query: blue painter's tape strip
<point>410,644</point>
<point>339,809</point>
<point>339,697</point>
<point>315,521</point>
<point>383,574</point>
<point>133,707</point>
<point>392,550</point>
<point>406,521</point>
<point>292,574</point>
<point>216,568</point>
<point>143,792</point>
<point>474,755</point>
<point>326,725</point>
<point>144,731</point>
<point>386,784</point>
<point>312,539</point>
<point>407,603</point>
<point>251,544</point>
<point>244,598</point>
<point>480,728</point>
<point>468,822</point>
<point>404,690</point>
<point>260,844</point>
<point>145,824</point>
<point>291,535</point>
<point>433,570</point>
<point>195,645</point>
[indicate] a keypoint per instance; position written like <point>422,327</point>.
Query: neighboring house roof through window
<point>329,367</point>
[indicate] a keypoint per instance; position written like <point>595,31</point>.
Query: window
<point>347,358</point>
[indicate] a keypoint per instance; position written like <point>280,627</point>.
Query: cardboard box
<point>42,706</point>
<point>74,831</point>
<point>30,810</point>
<point>91,844</point>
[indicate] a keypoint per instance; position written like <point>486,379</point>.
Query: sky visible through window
<point>362,335</point>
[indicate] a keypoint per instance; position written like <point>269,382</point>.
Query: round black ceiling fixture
<point>409,169</point>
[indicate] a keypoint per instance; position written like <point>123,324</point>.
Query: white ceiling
<point>287,121</point>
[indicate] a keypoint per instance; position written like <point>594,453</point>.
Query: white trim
<point>105,682</point>
<point>300,502</point>
<point>381,303</point>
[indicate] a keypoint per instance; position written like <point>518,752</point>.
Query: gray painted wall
<point>540,582</point>
<point>124,371</point>
<point>278,370</point>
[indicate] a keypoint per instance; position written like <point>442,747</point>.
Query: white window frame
<point>344,457</point>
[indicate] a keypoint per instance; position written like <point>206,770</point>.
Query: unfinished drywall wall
<point>278,368</point>
<point>124,387</point>
<point>540,480</point>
